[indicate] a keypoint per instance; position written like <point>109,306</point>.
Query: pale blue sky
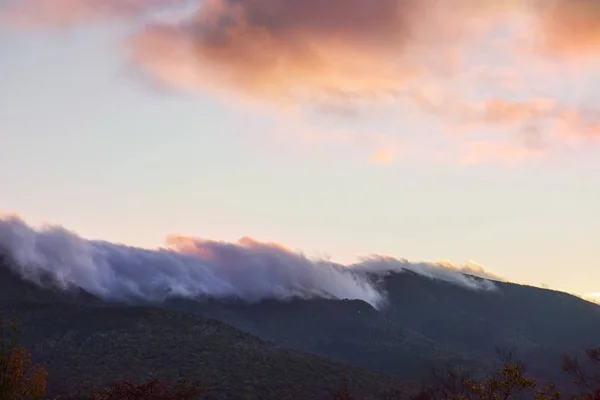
<point>85,144</point>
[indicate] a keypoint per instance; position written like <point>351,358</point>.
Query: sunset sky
<point>459,130</point>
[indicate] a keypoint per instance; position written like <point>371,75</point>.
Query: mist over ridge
<point>189,267</point>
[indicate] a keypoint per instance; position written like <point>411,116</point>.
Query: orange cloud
<point>493,110</point>
<point>570,28</point>
<point>575,125</point>
<point>499,110</point>
<point>383,156</point>
<point>481,152</point>
<point>538,123</point>
<point>277,50</point>
<point>280,49</point>
<point>210,250</point>
<point>525,116</point>
<point>327,54</point>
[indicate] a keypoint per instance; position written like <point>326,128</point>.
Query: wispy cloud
<point>507,153</point>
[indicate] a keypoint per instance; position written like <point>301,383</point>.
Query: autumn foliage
<point>20,379</point>
<point>509,382</point>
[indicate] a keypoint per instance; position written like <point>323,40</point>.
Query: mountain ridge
<point>86,342</point>
<point>424,324</point>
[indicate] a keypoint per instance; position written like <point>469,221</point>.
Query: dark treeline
<point>21,379</point>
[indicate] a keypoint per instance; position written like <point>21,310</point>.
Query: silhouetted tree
<point>585,376</point>
<point>507,383</point>
<point>548,392</point>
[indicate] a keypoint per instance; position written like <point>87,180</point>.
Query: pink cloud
<point>506,153</point>
<point>282,50</point>
<point>307,53</point>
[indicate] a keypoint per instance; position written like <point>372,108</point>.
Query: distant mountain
<point>537,324</point>
<point>84,342</point>
<point>513,315</point>
<point>350,331</point>
<point>426,323</point>
<point>46,290</point>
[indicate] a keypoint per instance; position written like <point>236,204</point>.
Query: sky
<point>458,130</point>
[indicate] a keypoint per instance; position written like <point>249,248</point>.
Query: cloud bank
<point>248,270</point>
